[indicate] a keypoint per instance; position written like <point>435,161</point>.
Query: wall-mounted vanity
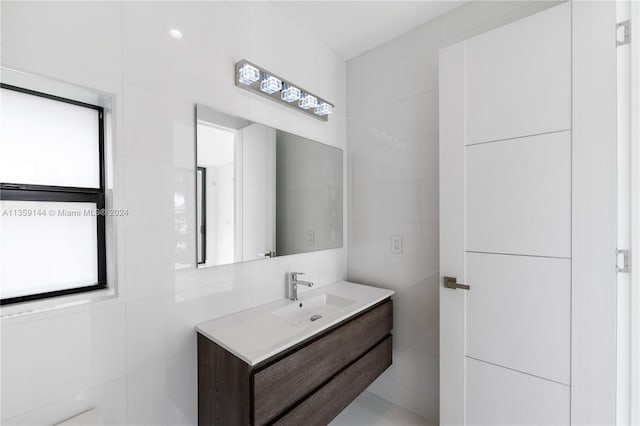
<point>293,363</point>
<point>262,192</point>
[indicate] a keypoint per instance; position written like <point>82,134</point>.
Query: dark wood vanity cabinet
<point>308,384</point>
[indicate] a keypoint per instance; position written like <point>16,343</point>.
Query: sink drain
<point>315,317</point>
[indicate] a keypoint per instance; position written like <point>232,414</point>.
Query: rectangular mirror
<point>262,192</point>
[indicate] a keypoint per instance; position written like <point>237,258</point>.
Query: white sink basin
<point>312,309</point>
<point>258,333</point>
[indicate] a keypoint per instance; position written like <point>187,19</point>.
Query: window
<point>52,196</point>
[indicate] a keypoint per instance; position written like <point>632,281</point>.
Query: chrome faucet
<point>294,282</point>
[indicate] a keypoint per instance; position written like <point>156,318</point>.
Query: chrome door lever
<point>452,282</point>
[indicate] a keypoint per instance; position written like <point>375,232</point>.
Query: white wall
<point>133,357</point>
<point>393,187</point>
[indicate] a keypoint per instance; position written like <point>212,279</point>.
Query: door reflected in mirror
<point>263,192</point>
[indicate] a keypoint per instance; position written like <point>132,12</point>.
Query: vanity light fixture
<point>255,79</point>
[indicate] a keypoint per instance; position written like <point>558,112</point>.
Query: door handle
<point>452,282</point>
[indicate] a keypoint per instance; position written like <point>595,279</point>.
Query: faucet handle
<point>294,275</point>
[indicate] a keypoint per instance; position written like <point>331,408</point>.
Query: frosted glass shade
<point>270,84</point>
<point>307,101</point>
<point>46,246</point>
<point>323,109</point>
<point>290,93</point>
<point>48,142</point>
<point>248,74</point>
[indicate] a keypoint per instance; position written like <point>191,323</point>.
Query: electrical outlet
<point>396,244</point>
<point>310,238</point>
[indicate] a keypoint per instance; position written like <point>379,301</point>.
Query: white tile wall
<point>393,188</point>
<point>133,357</point>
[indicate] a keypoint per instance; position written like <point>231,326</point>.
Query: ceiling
<point>353,27</point>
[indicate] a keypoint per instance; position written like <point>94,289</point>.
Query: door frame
<point>635,214</point>
<point>594,216</point>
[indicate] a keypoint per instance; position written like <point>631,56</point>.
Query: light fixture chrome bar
<point>250,77</point>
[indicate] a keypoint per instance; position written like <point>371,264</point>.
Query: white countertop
<point>256,334</point>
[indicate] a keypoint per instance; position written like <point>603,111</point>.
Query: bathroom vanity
<point>294,362</point>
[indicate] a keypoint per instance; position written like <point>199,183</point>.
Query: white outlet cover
<point>396,244</point>
<point>310,238</point>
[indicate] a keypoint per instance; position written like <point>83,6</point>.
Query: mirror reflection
<point>262,192</point>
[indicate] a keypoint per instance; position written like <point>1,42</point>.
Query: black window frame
<point>16,191</point>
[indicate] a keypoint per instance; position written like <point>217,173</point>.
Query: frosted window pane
<point>47,142</point>
<point>46,253</point>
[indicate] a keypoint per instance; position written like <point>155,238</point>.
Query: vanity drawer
<point>286,381</point>
<point>326,403</point>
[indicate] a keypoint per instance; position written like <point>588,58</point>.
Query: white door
<point>505,218</point>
